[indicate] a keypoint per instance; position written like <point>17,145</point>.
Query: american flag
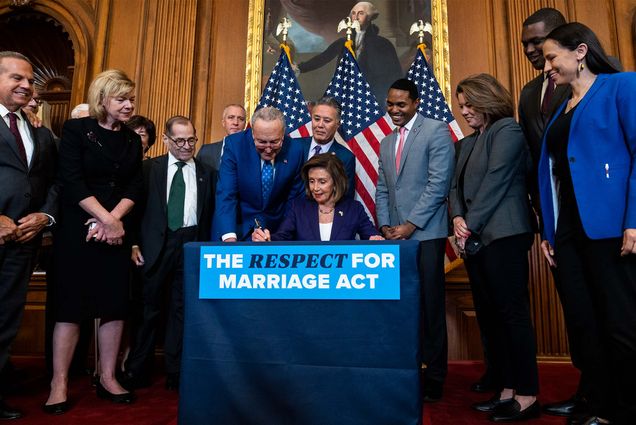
<point>283,92</point>
<point>433,105</point>
<point>432,102</point>
<point>363,124</point>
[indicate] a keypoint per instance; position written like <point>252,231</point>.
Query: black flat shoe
<point>512,412</point>
<point>7,412</point>
<point>491,404</point>
<point>591,420</point>
<point>55,409</point>
<point>124,398</point>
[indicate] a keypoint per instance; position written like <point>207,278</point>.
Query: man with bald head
<point>28,203</point>
<point>233,121</point>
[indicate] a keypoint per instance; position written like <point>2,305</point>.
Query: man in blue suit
<point>325,120</point>
<point>258,178</point>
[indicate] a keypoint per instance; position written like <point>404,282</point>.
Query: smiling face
<point>401,107</point>
<point>476,120</point>
<point>321,185</point>
<point>119,108</point>
<point>561,63</point>
<point>324,123</point>
<point>532,38</point>
<point>181,141</point>
<point>16,83</point>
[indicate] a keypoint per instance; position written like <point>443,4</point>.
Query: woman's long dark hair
<point>571,35</point>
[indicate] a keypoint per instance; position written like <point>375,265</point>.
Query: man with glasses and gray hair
<point>258,178</point>
<point>178,205</point>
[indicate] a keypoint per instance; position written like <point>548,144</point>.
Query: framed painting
<point>384,47</point>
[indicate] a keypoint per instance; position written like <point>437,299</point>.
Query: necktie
<point>176,198</point>
<point>547,97</point>
<point>13,127</point>
<point>317,149</point>
<point>398,154</point>
<point>267,180</point>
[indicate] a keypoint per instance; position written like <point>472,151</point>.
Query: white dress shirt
<point>323,148</point>
<point>23,128</point>
<point>408,127</point>
<point>190,179</point>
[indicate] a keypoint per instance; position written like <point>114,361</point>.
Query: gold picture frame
<point>255,39</point>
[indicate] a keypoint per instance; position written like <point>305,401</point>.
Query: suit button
<point>572,159</point>
<point>27,195</point>
<point>111,184</point>
<point>116,165</point>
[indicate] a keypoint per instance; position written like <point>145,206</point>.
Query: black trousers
<point>433,319</point>
<point>16,265</point>
<point>166,274</point>
<point>498,276</point>
<point>600,309</point>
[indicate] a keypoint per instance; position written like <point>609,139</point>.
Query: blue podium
<point>301,361</point>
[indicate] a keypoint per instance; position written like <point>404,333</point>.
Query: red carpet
<point>157,406</point>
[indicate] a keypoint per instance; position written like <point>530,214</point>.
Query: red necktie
<point>398,154</point>
<point>547,97</point>
<point>13,127</point>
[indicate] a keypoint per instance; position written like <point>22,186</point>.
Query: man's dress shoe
<point>56,409</point>
<point>491,404</point>
<point>125,398</point>
<point>7,412</point>
<point>432,391</point>
<point>586,420</point>
<point>565,407</point>
<point>131,382</point>
<point>511,412</point>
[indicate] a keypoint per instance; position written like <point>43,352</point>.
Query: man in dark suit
<point>325,120</point>
<point>178,208</point>
<point>28,199</point>
<point>416,166</point>
<point>258,179</point>
<point>537,102</point>
<point>233,121</point>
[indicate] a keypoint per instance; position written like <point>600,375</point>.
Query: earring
<point>579,69</point>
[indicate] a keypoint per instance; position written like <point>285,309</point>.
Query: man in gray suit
<point>415,171</point>
<point>28,199</point>
<point>233,121</point>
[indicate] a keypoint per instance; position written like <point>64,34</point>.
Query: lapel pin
<point>341,213</point>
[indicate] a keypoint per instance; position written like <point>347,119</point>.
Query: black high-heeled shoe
<point>56,409</point>
<point>125,398</point>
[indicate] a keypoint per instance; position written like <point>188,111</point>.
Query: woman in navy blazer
<point>587,185</point>
<point>324,215</point>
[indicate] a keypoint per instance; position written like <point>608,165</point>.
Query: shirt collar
<point>173,160</point>
<point>409,125</point>
<point>4,111</point>
<point>324,148</point>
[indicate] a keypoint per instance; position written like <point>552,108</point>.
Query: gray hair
<point>13,55</point>
<point>269,113</point>
<point>331,102</point>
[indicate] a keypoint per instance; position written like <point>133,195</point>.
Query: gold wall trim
<point>254,59</point>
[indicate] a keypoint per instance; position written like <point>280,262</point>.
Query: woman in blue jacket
<point>588,198</point>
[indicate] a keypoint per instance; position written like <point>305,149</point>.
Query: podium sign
<point>301,361</point>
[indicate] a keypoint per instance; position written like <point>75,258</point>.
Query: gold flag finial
<point>283,28</point>
<point>420,27</point>
<point>349,24</point>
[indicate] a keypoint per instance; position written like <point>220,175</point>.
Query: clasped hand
<point>112,232</point>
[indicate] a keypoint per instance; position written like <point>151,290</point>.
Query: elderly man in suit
<point>258,179</point>
<point>28,200</point>
<point>178,208</point>
<point>416,166</point>
<point>233,121</point>
<point>325,120</point>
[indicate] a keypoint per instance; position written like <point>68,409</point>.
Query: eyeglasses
<point>181,142</point>
<point>268,143</point>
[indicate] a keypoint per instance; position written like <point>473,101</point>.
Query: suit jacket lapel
<point>410,139</point>
<point>36,142</point>
<point>338,222</point>
<point>8,137</point>
<point>313,218</point>
<point>468,144</point>
<point>161,181</point>
<point>202,187</point>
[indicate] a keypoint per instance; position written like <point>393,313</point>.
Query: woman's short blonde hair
<point>110,83</point>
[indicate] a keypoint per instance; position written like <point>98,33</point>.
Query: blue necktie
<point>317,149</point>
<point>267,180</point>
